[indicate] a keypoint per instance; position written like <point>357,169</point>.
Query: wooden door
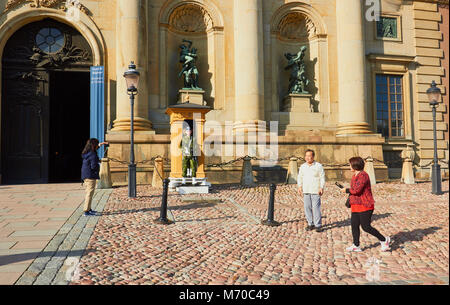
<point>25,126</point>
<point>30,56</point>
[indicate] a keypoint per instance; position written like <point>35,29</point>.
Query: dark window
<point>393,159</point>
<point>390,113</point>
<point>50,40</point>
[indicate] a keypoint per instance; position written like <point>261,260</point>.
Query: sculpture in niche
<point>189,71</point>
<point>298,80</point>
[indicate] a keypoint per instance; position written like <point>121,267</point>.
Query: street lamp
<point>434,96</point>
<point>132,79</point>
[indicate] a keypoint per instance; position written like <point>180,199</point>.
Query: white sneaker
<point>353,248</point>
<point>385,244</point>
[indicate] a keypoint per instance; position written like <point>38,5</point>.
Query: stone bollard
<point>370,170</point>
<point>247,178</point>
<point>157,180</point>
<point>292,173</point>
<point>408,155</point>
<point>105,175</point>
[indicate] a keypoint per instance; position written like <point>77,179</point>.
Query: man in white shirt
<point>311,182</point>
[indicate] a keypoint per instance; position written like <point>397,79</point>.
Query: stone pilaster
<point>130,45</point>
<point>249,65</point>
<point>350,47</point>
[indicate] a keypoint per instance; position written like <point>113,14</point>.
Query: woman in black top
<point>90,172</point>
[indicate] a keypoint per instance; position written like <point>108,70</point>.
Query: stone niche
<point>202,26</point>
<point>294,26</point>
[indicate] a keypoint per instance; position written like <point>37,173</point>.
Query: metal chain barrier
<point>139,162</point>
<point>222,164</point>
<point>388,162</point>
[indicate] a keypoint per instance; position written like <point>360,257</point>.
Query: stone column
<point>131,46</point>
<point>249,64</point>
<point>351,59</point>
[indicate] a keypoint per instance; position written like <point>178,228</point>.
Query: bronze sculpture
<point>298,80</point>
<point>188,56</point>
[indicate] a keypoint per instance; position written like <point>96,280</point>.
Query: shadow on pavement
<point>414,235</point>
<point>105,213</point>
<point>14,258</point>
<point>157,209</point>
<point>347,222</point>
<point>406,236</point>
<point>293,220</point>
<point>170,194</point>
<point>192,206</point>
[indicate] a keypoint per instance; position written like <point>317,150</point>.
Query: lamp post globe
<point>132,78</point>
<point>434,97</point>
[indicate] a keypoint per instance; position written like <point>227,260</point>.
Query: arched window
<point>50,40</point>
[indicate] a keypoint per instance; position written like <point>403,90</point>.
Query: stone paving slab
<point>223,242</point>
<point>27,222</point>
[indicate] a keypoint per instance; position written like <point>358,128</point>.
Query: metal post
<point>270,213</point>
<point>132,165</point>
<point>436,187</point>
<point>163,212</point>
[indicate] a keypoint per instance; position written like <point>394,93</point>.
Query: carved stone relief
<point>31,47</point>
<point>296,26</point>
<point>56,4</point>
<point>190,18</point>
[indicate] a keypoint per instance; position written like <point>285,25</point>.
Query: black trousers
<point>363,219</point>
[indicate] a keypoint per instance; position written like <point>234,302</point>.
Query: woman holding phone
<point>362,205</point>
<point>90,172</point>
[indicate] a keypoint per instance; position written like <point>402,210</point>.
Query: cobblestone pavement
<point>217,238</point>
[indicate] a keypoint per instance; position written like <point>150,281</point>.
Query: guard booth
<point>182,115</point>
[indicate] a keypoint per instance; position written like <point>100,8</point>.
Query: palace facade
<point>366,92</point>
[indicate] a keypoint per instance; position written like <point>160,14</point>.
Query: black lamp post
<point>132,79</point>
<point>434,96</point>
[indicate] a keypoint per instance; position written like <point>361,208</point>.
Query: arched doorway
<point>45,103</point>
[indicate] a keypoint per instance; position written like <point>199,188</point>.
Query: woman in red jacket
<point>362,205</point>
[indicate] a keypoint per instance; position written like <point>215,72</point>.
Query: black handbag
<point>347,203</point>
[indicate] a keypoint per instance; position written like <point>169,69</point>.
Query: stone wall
<point>330,150</point>
<point>429,54</point>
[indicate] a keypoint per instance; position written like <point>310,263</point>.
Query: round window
<point>50,40</point>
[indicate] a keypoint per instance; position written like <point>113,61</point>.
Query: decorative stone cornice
<point>56,4</point>
<point>391,58</point>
